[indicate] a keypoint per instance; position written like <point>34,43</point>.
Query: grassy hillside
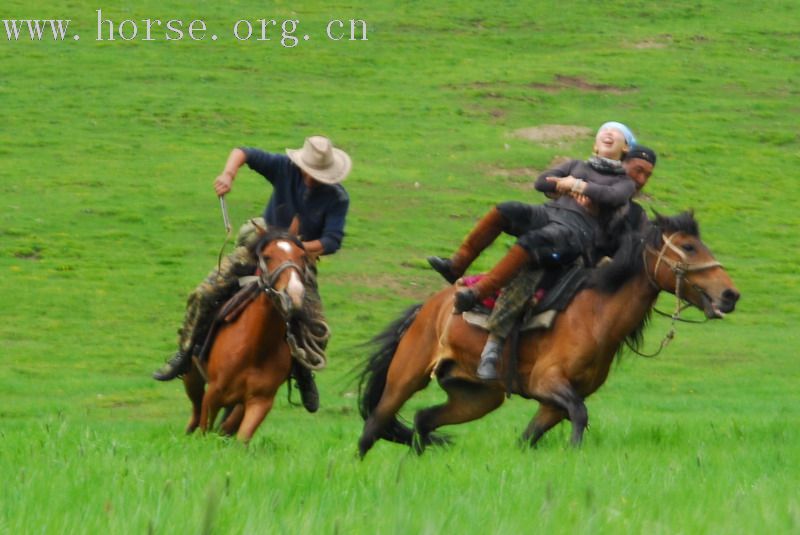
<point>107,220</point>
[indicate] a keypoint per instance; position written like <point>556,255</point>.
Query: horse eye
<point>688,247</point>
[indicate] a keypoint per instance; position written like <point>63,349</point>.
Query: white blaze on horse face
<point>284,246</point>
<point>295,290</point>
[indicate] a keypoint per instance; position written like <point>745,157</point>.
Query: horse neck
<point>264,311</point>
<point>627,308</point>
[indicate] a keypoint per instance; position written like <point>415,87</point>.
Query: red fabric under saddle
<point>490,301</point>
<point>471,281</point>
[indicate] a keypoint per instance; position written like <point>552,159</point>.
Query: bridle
<point>267,278</point>
<point>308,340</point>
<point>680,268</point>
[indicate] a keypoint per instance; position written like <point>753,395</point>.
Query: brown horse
<point>559,367</point>
<point>249,358</point>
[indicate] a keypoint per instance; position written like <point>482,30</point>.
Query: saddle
<point>553,295</point>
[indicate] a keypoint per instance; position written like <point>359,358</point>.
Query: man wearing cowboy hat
<point>308,199</point>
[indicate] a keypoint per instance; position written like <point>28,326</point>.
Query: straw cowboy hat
<point>320,159</point>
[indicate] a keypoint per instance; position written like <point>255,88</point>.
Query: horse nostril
<point>730,295</point>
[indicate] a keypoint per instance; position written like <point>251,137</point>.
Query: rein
<point>680,268</point>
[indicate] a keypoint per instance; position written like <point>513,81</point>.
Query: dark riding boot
<point>482,235</point>
<point>177,365</point>
<point>304,380</point>
<point>490,357</point>
<point>491,282</point>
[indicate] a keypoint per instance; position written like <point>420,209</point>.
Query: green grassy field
<point>107,220</point>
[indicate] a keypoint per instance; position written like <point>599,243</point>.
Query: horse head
<point>283,267</point>
<point>679,262</point>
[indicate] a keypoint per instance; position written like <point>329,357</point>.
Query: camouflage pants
<point>223,282</point>
<point>219,286</point>
<point>512,301</point>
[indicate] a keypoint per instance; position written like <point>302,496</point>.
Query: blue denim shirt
<point>322,209</point>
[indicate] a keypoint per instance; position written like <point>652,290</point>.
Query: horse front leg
<point>556,390</point>
<point>576,410</point>
<point>255,410</point>
<point>543,421</point>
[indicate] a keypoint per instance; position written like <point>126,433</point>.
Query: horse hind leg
<point>545,419</point>
<point>466,401</point>
<point>210,408</point>
<point>382,421</point>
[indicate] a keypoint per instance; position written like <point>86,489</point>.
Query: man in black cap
<point>638,163</point>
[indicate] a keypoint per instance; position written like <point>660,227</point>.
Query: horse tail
<point>373,378</point>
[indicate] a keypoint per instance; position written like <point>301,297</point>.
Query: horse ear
<point>657,217</point>
<point>259,229</point>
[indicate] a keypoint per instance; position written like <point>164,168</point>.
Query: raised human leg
<point>482,235</point>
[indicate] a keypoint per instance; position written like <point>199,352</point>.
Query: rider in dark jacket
<point>308,199</point>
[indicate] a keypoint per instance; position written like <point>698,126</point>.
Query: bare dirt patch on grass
<point>562,82</point>
<point>523,177</point>
<point>548,134</point>
<point>417,288</point>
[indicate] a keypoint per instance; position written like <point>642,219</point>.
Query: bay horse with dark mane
<point>249,358</point>
<point>559,367</point>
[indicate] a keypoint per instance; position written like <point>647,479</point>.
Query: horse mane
<point>628,261</point>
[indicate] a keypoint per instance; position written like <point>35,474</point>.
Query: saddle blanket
<point>542,320</point>
<point>545,304</point>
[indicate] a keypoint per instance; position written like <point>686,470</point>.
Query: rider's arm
<point>546,185</point>
<point>333,231</point>
<point>236,159</point>
<point>314,247</point>
<point>616,194</point>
